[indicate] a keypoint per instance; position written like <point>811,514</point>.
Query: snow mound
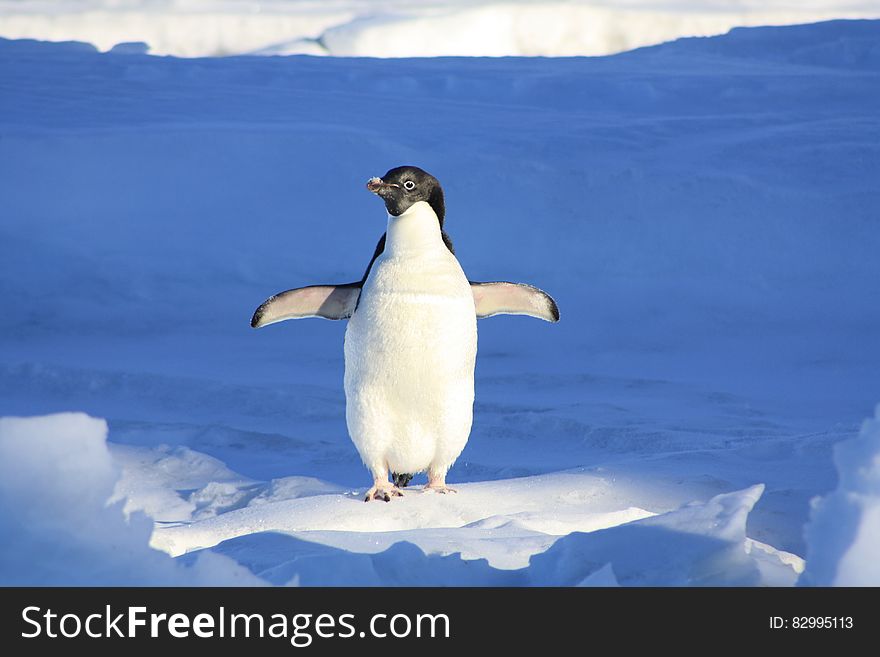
<point>169,483</point>
<point>549,29</point>
<point>56,475</point>
<point>503,521</point>
<point>699,544</point>
<point>818,44</point>
<point>843,536</point>
<point>130,48</point>
<point>186,29</point>
<point>396,28</point>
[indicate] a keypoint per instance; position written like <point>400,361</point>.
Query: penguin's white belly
<point>410,349</point>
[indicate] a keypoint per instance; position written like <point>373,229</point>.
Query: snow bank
<point>699,544</point>
<point>56,476</point>
<point>503,521</point>
<point>151,479</point>
<point>550,29</point>
<point>396,28</point>
<point>843,537</point>
<point>186,29</point>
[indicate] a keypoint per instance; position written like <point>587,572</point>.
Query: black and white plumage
<point>411,340</point>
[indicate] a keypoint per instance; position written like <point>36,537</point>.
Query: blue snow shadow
<point>282,559</point>
<point>639,556</point>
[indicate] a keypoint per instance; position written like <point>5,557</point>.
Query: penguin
<point>411,340</point>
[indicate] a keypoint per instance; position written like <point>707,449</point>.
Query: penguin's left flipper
<point>327,301</point>
<point>502,298</point>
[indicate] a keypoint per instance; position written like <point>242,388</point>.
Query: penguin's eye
<point>409,184</point>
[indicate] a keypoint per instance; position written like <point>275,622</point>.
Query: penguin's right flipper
<point>327,301</point>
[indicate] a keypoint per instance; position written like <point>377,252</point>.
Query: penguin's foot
<point>441,488</point>
<point>384,491</point>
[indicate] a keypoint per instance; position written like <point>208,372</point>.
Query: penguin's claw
<point>439,488</point>
<point>384,493</point>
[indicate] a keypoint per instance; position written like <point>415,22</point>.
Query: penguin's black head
<point>403,186</point>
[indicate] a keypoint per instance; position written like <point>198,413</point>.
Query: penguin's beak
<point>380,187</point>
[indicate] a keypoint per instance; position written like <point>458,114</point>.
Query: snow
<point>844,530</point>
<point>579,503</point>
<point>496,29</point>
<point>703,211</point>
<point>399,28</point>
<point>699,544</point>
<point>56,475</point>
